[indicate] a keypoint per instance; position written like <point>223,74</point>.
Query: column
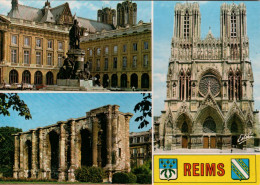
<point>114,137</point>
<point>34,154</point>
<point>16,156</point>
<point>127,149</point>
<point>42,172</point>
<point>95,139</point>
<point>109,139</point>
<point>62,152</point>
<point>71,177</point>
<point>21,171</point>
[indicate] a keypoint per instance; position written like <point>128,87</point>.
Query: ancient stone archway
<point>28,158</point>
<point>85,144</point>
<point>53,154</point>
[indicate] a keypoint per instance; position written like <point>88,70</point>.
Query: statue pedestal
<point>86,83</point>
<point>75,83</point>
<point>78,56</point>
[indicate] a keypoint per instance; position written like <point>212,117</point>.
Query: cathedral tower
<point>126,13</point>
<point>107,16</point>
<point>209,100</point>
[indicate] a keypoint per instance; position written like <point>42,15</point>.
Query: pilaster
<point>16,156</point>
<point>62,147</point>
<point>34,154</point>
<point>71,171</point>
<point>95,140</point>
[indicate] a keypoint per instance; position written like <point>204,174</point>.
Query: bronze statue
<point>66,71</point>
<point>74,35</point>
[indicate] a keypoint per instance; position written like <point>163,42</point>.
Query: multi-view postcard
<point>129,92</point>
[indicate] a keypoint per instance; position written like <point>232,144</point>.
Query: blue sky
<point>48,108</point>
<point>87,9</point>
<point>210,17</point>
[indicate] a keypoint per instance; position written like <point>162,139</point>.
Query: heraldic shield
<point>240,169</point>
<point>168,169</point>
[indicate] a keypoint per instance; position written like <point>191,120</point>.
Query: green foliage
<point>141,170</point>
<point>89,174</point>
<point>145,107</point>
<point>7,150</point>
<point>120,178</point>
<point>132,177</point>
<point>144,178</point>
<point>13,100</point>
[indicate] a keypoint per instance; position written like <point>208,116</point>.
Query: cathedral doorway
<point>209,127</point>
<point>184,141</point>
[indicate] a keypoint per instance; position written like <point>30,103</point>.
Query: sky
<point>49,108</point>
<point>210,17</point>
<point>87,9</point>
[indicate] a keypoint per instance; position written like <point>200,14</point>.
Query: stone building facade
<point>101,138</point>
<point>209,100</point>
<point>120,58</point>
<point>140,147</point>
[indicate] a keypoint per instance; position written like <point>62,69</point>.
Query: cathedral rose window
<point>209,82</point>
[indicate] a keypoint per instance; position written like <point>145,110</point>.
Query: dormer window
<point>233,30</point>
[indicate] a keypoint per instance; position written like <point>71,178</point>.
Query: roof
<point>93,26</point>
<point>52,15</point>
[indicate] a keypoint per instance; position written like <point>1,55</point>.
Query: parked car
<point>26,86</point>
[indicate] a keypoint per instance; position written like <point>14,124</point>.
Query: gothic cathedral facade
<point>209,100</point>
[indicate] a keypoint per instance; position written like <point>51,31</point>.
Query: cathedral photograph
<point>75,46</point>
<point>206,75</point>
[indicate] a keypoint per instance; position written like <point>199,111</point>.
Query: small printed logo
<point>240,169</point>
<point>168,169</point>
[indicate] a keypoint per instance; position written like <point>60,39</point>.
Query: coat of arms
<point>240,169</point>
<point>168,169</point>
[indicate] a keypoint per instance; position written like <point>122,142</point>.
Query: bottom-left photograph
<point>76,137</point>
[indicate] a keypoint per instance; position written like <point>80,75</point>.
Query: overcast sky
<point>210,17</point>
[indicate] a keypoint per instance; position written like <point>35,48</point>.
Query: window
<point>146,45</point>
<point>98,51</point>
<point>49,44</point>
<point>233,30</point>
<point>134,61</point>
<point>124,48</point>
<point>90,52</point>
<point>124,62</point>
<point>106,63</point>
<point>115,49</point>
<point>119,152</point>
<point>38,58</point>
<point>186,25</point>
<point>60,60</point>
<point>38,43</point>
<point>14,39</point>
<point>49,59</point>
<point>145,61</point>
<point>115,63</point>
<point>98,64</point>
<point>90,64</point>
<point>14,56</point>
<point>26,57</point>
<point>26,41</point>
<point>106,50</point>
<point>60,46</point>
<point>134,46</point>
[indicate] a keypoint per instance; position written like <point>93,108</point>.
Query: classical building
<point>101,138</point>
<point>140,147</point>
<point>209,100</point>
<point>120,58</point>
<point>33,42</point>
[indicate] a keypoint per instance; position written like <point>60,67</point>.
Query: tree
<point>145,107</point>
<point>13,100</point>
<point>7,150</point>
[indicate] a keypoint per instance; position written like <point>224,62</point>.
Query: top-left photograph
<point>75,46</point>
